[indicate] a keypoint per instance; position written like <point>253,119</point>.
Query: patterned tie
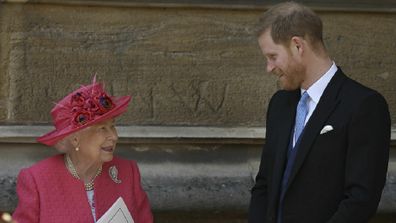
<point>302,111</point>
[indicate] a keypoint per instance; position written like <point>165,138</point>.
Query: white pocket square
<point>326,128</point>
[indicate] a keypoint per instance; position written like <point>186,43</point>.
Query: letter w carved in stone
<point>198,95</point>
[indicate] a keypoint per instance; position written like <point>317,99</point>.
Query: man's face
<point>283,62</point>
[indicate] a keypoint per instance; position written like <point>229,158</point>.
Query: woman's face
<point>97,143</point>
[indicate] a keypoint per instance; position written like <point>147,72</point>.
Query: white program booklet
<point>118,213</point>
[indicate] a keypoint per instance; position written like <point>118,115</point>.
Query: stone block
<point>183,66</point>
<point>198,70</point>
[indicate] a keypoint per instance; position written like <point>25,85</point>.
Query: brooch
<point>113,172</point>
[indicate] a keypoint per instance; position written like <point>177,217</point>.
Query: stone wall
<point>199,87</point>
<point>183,66</point>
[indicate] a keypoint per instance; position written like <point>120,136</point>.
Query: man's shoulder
<point>285,93</point>
<point>284,96</point>
<point>355,90</point>
<point>354,95</point>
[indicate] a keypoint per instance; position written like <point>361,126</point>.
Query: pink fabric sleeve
<point>143,211</point>
<point>28,208</point>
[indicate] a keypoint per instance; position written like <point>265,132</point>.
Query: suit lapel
<point>328,102</point>
<point>285,126</point>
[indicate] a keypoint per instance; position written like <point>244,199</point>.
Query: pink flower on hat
<point>81,117</point>
<point>87,106</point>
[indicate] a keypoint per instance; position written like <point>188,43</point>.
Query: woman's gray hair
<point>65,145</point>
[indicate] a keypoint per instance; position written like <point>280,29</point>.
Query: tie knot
<point>304,98</point>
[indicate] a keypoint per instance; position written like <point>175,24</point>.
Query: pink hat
<point>84,107</point>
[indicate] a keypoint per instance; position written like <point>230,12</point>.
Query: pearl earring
<point>77,148</point>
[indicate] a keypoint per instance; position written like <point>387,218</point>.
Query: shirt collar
<point>316,90</point>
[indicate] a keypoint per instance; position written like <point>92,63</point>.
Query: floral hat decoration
<point>84,107</point>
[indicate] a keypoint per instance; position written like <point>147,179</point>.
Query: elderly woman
<point>83,182</point>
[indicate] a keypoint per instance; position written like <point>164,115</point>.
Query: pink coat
<point>48,193</point>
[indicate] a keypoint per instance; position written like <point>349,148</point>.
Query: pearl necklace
<point>69,164</point>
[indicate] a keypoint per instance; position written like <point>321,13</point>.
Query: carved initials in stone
<point>201,95</point>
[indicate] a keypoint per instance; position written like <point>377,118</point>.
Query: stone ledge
<point>248,135</point>
<point>379,6</point>
<point>174,191</point>
<point>178,177</point>
<point>28,133</point>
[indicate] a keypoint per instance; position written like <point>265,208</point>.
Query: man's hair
<point>289,19</point>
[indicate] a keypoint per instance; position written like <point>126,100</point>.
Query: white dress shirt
<point>315,92</point>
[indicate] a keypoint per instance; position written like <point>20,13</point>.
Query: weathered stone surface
<point>187,178</point>
<point>7,194</point>
<point>379,5</point>
<point>183,66</point>
<point>195,70</point>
